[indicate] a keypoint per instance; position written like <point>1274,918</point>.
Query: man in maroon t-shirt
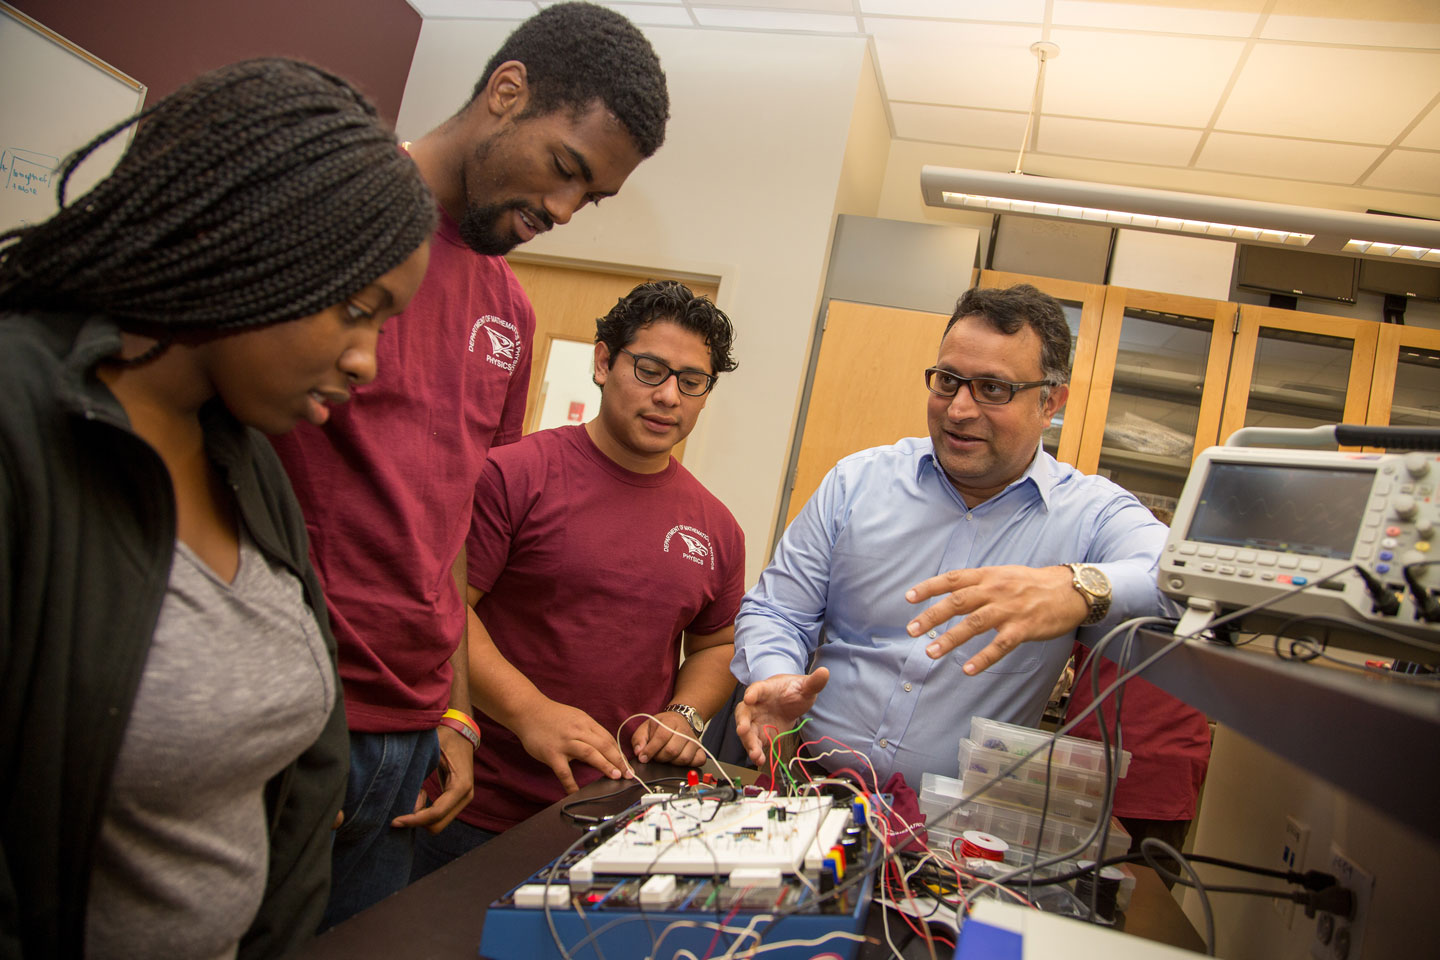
<point>594,556</point>
<point>563,112</point>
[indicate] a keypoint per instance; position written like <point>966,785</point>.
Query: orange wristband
<point>462,724</point>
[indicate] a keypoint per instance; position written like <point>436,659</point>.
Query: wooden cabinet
<point>1294,369</point>
<point>1157,388</point>
<point>1405,391</point>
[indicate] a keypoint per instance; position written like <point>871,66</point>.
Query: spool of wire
<point>974,843</point>
<point>1106,889</point>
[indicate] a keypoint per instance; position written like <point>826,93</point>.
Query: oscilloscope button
<point>1247,556</point>
<point>1228,570</point>
<point>1382,568</point>
<point>1288,562</point>
<point>1207,551</point>
<point>1266,559</point>
<point>1188,549</point>
<point>1227,554</point>
<point>1386,554</point>
<point>1299,581</point>
<point>1208,567</point>
<point>1312,565</point>
<point>1246,573</point>
<point>1267,575</point>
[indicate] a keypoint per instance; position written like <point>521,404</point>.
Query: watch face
<point>1093,580</point>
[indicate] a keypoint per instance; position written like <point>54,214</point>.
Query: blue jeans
<point>369,858</point>
<point>434,850</point>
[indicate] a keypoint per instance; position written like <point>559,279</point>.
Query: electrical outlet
<point>1340,938</point>
<point>1296,839</point>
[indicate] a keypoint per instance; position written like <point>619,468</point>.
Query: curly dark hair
<point>672,301</point>
<point>577,53</point>
<point>1022,305</point>
<point>265,191</point>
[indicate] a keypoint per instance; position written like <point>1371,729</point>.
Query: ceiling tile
<point>813,6</point>
<point>1293,159</point>
<point>1136,77</point>
<point>1006,11</point>
<point>1412,171</point>
<point>653,15</point>
<point>974,128</point>
<point>1366,96</point>
<point>475,9</point>
<point>1160,19</point>
<point>776,20</point>
<point>1426,135</point>
<point>1350,31</point>
<point>1104,140</point>
<point>972,65</point>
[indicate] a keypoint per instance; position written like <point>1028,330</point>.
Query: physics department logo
<point>695,544</point>
<point>504,346</point>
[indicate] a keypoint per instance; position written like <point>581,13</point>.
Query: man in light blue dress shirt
<point>1022,549</point>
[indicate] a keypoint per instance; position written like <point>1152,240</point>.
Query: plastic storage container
<point>1021,741</point>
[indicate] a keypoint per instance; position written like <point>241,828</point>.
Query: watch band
<point>691,715</point>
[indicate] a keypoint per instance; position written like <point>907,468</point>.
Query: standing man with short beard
<point>563,112</point>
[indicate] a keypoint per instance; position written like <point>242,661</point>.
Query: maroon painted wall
<point>164,43</point>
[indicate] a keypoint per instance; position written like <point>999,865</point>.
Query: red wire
<point>726,922</point>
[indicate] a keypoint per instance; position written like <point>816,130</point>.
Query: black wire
<point>582,818</point>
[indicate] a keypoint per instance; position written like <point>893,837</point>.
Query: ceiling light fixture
<point>1315,229</point>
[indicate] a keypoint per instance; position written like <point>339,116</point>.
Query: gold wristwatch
<point>691,715</point>
<point>1094,586</point>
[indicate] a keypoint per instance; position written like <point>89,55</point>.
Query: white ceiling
<point>1333,93</point>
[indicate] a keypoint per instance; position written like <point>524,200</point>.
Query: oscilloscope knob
<point>1405,507</point>
<point>1417,464</point>
<point>1424,526</point>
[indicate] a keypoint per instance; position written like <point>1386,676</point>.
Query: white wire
<point>728,779</point>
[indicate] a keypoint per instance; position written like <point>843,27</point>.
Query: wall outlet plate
<point>1295,840</point>
<point>1339,938</point>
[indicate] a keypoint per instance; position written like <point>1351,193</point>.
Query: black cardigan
<point>87,533</point>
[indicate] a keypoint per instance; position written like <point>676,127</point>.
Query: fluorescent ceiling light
<point>1166,211</point>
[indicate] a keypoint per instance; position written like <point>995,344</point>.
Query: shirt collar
<point>1040,473</point>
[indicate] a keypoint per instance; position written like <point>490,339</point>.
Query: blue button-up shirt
<point>882,521</point>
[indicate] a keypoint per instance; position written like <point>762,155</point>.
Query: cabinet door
<point>1082,303</point>
<point>869,387</point>
<point>1293,369</point>
<point>1156,391</point>
<point>1405,391</point>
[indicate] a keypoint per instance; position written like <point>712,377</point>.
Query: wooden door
<point>568,300</point>
<point>1293,369</point>
<point>1083,304</point>
<point>869,387</point>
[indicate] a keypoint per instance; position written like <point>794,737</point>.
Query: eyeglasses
<point>650,371</point>
<point>943,383</point>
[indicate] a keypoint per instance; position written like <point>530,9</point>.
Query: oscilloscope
<point>1254,524</point>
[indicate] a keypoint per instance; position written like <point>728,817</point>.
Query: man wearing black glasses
<point>592,555</point>
<point>1020,548</point>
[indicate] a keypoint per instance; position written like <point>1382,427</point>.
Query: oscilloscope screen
<point>1310,510</point>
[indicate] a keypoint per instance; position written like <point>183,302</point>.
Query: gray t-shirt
<point>237,684</point>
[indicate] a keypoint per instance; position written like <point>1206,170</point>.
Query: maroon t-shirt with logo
<point>591,575</point>
<point>386,484</point>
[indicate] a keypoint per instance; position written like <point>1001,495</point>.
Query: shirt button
<point>907,688</point>
<point>931,634</point>
<point>884,744</point>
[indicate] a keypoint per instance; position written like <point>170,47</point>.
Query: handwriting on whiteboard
<point>27,172</point>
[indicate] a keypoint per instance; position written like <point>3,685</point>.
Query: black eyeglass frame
<point>971,381</point>
<point>670,371</point>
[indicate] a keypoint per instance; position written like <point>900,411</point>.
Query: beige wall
<point>1248,793</point>
<point>744,189</point>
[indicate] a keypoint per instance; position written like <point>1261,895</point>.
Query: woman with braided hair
<point>172,739</point>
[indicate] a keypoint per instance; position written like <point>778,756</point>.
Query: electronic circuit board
<point>709,873</point>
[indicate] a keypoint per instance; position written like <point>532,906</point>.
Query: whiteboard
<point>56,99</point>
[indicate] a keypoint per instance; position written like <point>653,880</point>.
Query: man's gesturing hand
<point>773,706</point>
<point>1018,603</point>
